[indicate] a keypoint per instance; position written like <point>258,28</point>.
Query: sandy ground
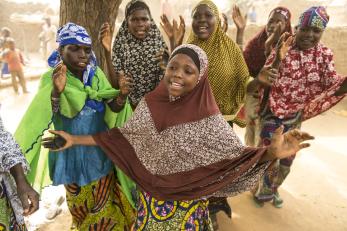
<point>315,192</point>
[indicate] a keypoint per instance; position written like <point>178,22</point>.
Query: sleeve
<point>331,82</point>
<point>10,153</point>
<point>118,54</point>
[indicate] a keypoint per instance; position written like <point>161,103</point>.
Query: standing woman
<point>307,85</point>
<point>255,54</point>
<point>135,49</point>
<point>15,190</point>
<point>75,96</point>
<point>227,73</point>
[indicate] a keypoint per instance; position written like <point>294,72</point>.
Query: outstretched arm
<point>63,140</point>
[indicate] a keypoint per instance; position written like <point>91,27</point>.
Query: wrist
<point>55,94</point>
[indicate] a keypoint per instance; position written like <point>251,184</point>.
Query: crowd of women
<point>151,146</point>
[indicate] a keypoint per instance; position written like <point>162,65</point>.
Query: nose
<point>178,74</point>
<point>82,54</point>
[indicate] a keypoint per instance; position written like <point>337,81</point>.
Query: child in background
<point>13,57</point>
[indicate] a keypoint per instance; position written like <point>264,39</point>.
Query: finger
<point>25,203</point>
<point>304,145</point>
<point>47,139</point>
<point>63,70</point>
<point>279,130</point>
<point>34,205</point>
<point>182,22</point>
<point>56,132</point>
<point>306,136</point>
<point>57,67</point>
<point>174,24</point>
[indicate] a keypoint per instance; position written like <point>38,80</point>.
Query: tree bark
<point>91,14</point>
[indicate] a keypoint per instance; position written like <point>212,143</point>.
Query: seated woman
<point>179,149</point>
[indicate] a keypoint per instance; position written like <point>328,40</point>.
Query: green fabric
<point>38,119</point>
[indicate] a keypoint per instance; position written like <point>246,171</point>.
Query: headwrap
<point>71,33</point>
<point>196,105</point>
<point>183,149</point>
<point>137,58</point>
<point>254,52</point>
<point>227,73</point>
<point>135,5</point>
<point>315,16</point>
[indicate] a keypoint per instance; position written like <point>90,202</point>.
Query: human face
<point>139,23</point>
<point>204,22</point>
<point>11,45</point>
<point>181,75</point>
<point>76,57</point>
<point>307,37</point>
<point>274,20</point>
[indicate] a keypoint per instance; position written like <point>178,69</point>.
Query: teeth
<point>176,84</point>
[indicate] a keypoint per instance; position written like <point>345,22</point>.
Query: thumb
<point>55,132</point>
<point>279,131</point>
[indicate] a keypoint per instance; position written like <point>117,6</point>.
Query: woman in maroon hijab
<point>180,151</point>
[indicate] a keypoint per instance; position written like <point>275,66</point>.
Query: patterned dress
<point>305,88</point>
<point>10,206</point>
<point>158,215</point>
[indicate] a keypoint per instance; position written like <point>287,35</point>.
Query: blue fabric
<point>79,164</point>
<point>71,33</point>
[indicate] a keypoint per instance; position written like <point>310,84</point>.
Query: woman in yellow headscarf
<point>228,73</point>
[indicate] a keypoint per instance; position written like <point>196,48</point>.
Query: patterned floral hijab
<point>137,57</point>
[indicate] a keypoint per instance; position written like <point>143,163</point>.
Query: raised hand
<point>167,27</point>
<point>289,143</point>
<point>267,75</point>
<point>174,31</point>
<point>29,198</point>
<point>239,20</point>
<point>224,22</point>
<point>273,39</point>
<point>283,45</point>
<point>60,141</point>
<point>59,78</point>
<point>105,37</point>
<point>162,57</point>
<point>125,84</point>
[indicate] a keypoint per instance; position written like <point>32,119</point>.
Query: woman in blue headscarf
<point>75,96</point>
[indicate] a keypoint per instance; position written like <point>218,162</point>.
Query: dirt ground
<point>315,193</point>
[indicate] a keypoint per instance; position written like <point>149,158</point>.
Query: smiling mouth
<point>176,85</point>
<point>82,64</point>
<point>140,32</point>
<point>202,29</point>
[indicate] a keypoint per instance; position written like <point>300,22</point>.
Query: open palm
<point>105,36</point>
<point>59,78</point>
<point>289,143</point>
<point>239,20</point>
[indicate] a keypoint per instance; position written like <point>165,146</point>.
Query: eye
<point>188,71</point>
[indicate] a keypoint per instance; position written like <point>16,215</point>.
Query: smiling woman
<point>135,50</point>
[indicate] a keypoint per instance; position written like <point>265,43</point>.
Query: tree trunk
<point>91,14</point>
